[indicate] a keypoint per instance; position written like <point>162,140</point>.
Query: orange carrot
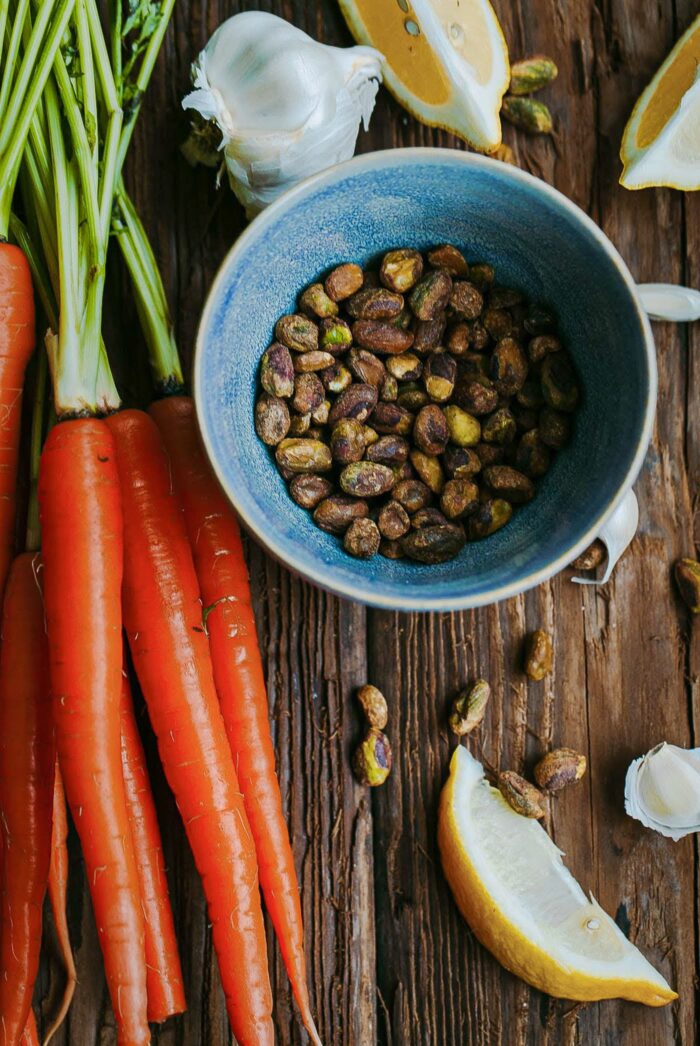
<point>166,995</point>
<point>16,347</point>
<point>27,758</point>
<point>30,1036</point>
<point>163,619</point>
<point>58,890</point>
<point>82,531</point>
<point>223,577</point>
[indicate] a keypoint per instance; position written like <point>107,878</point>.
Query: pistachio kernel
<point>401,269</point>
<point>559,768</point>
<point>314,300</point>
<point>464,429</point>
<point>429,469</point>
<point>343,281</point>
<point>431,294</point>
<point>272,419</point>
<point>539,655</point>
<point>372,760</point>
<point>362,539</point>
<point>522,796</point>
<point>304,455</point>
<point>308,490</point>
<point>591,557</point>
<point>450,259</point>
<point>469,708</point>
<point>297,332</point>
<point>277,371</point>
<point>434,544</point>
<point>335,513</point>
<point>430,430</point>
<point>459,498</point>
<point>373,705</point>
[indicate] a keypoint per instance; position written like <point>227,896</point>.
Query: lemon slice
<point>661,143</point>
<point>446,61</point>
<point>523,904</point>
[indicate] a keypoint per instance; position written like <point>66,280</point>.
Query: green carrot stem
<point>13,46</point>
<point>40,52</point>
<point>151,301</point>
<point>42,285</point>
<point>138,86</point>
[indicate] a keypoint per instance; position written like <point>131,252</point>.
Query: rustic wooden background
<point>390,960</point>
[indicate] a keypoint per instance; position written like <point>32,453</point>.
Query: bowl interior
<point>537,242</point>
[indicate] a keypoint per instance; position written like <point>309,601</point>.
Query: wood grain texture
<point>390,960</point>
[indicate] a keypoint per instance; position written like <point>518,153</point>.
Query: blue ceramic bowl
<point>538,241</point>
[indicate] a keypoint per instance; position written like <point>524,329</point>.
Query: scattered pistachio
<point>531,74</point>
<point>374,303</point>
<point>389,450</point>
<point>489,517</point>
<point>427,334</point>
<point>314,360</point>
<point>464,429</point>
<point>392,419</point>
<point>347,441</point>
<point>315,300</point>
<point>439,374</point>
<point>559,382</point>
<point>459,339</point>
<point>380,336</point>
<point>366,479</point>
<point>522,796</point>
<point>393,521</point>
<point>434,544</point>
<point>687,573</point>
<point>343,281</point>
<point>559,768</point>
<point>304,455</point>
<point>405,367</point>
<point>539,655</point>
<point>499,427</point>
<point>429,469</point>
<point>271,419</point>
<point>372,760</point>
<point>508,366</point>
<point>461,462</point>
<point>335,513</point>
<point>431,294</point>
<point>373,705</point>
<point>309,393</point>
<point>297,332</point>
<point>357,401</point>
<point>335,335</point>
<point>528,114</point>
<point>466,299</point>
<point>366,367</point>
<point>307,490</point>
<point>390,549</point>
<point>401,269</point>
<point>591,557</point>
<point>413,494</point>
<point>277,371</point>
<point>475,397</point>
<point>362,538</point>
<point>510,484</point>
<point>450,259</point>
<point>469,709</point>
<point>459,498</point>
<point>336,378</point>
<point>430,430</point>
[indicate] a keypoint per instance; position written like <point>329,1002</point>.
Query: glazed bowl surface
<point>539,242</point>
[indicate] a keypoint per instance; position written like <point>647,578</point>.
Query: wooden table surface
<point>389,958</point>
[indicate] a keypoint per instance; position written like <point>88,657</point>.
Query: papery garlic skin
<point>662,790</point>
<point>287,106</point>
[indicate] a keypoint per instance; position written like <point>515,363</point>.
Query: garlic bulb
<point>286,105</point>
<point>662,790</point>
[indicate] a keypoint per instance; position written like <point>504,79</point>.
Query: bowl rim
<point>364,592</point>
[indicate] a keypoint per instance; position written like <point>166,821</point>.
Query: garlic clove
<point>662,790</point>
<point>666,301</point>
<point>616,534</point>
<point>286,105</point>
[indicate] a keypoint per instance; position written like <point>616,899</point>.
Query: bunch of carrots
<point>130,545</point>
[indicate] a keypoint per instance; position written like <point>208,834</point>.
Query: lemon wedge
<point>446,61</point>
<point>523,904</point>
<point>661,143</point>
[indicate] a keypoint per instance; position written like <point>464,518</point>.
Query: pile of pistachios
<point>412,407</point>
